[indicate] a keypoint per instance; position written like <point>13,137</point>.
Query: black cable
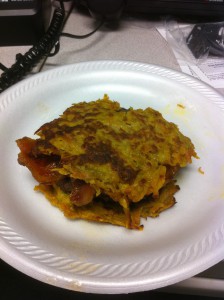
<point>206,39</point>
<point>25,63</point>
<point>215,38</point>
<point>2,67</point>
<point>74,36</point>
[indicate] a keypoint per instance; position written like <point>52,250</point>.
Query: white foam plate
<point>38,240</point>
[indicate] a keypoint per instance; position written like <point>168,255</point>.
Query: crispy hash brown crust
<point>101,162</point>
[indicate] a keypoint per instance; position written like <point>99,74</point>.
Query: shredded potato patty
<point>104,163</point>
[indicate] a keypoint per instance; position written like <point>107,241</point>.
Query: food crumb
<point>180,105</point>
<point>200,170</point>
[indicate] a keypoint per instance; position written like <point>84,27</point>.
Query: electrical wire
<point>42,50</point>
<point>69,35</point>
<point>25,63</point>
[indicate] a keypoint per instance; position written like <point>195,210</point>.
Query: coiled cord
<point>25,63</point>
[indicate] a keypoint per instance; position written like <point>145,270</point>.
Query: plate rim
<point>9,235</point>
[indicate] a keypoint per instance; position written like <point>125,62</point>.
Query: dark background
<point>15,285</point>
